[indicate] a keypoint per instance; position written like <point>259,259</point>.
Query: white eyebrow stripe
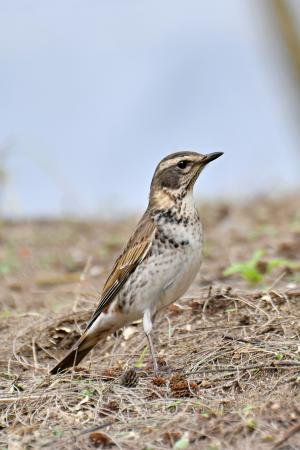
<point>173,161</point>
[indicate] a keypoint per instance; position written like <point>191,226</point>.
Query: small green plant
<point>247,409</point>
<point>251,424</point>
<point>58,433</point>
<point>89,392</point>
<point>230,309</point>
<point>139,363</point>
<point>248,269</point>
<point>255,269</point>
<point>174,404</point>
<point>182,443</point>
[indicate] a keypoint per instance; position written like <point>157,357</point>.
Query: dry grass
<point>229,354</point>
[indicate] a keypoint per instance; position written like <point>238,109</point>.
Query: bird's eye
<point>182,164</point>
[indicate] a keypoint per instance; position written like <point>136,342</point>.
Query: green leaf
<point>251,271</point>
<point>251,424</point>
<point>281,262</point>
<point>234,268</point>
<point>89,392</point>
<point>182,443</point>
<point>248,269</point>
<point>257,255</point>
<point>230,309</point>
<point>252,274</point>
<point>247,409</point>
<point>58,433</point>
<point>174,404</point>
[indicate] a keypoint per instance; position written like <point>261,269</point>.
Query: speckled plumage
<point>169,268</point>
<point>160,260</point>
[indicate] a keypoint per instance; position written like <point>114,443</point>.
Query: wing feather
<point>135,252</point>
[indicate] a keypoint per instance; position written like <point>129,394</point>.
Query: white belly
<point>180,272</point>
<point>180,278</point>
<point>166,274</point>
<point>161,279</point>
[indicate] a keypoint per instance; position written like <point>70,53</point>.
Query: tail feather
<point>73,357</point>
<point>85,343</point>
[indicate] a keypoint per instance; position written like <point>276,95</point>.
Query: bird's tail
<point>75,355</point>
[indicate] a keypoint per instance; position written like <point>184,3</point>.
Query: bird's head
<point>176,175</point>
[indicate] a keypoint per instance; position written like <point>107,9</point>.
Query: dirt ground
<point>229,351</point>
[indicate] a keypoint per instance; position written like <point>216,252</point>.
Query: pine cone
<point>98,439</point>
<point>130,378</point>
<point>180,387</point>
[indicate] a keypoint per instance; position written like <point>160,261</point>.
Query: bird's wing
<point>135,252</point>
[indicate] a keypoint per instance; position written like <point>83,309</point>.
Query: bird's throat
<point>165,199</point>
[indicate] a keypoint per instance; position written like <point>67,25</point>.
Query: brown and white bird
<point>159,262</point>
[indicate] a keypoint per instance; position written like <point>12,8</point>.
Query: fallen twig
<point>293,430</point>
<point>283,364</point>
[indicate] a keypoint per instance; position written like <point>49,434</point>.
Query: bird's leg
<point>147,323</point>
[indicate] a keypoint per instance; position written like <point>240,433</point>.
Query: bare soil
<point>229,351</point>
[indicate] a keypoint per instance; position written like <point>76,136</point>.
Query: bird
<point>159,262</point>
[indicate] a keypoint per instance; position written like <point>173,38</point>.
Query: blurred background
<point>93,94</point>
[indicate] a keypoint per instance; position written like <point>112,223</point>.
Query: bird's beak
<point>210,157</point>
